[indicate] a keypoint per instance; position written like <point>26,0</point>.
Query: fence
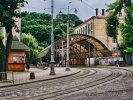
<point>8,78</point>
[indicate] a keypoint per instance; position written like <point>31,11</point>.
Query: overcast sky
<point>86,8</point>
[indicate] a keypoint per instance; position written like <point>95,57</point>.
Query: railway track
<point>62,86</point>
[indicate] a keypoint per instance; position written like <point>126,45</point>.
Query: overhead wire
<point>82,1</point>
<point>36,8</point>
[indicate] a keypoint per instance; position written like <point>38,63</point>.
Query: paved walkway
<point>24,77</point>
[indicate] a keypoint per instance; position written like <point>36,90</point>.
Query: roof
<point>44,52</point>
<point>17,45</point>
<point>79,47</point>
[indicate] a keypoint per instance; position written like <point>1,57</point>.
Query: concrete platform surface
<point>15,78</point>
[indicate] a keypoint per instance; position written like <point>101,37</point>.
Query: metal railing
<point>9,78</point>
<point>6,77</point>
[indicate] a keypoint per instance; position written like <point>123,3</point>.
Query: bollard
<point>32,75</point>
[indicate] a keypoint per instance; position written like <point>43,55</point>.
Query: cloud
<point>86,8</point>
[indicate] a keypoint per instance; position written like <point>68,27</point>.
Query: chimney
<point>103,12</point>
<point>96,11</point>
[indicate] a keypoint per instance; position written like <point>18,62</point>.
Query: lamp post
<point>67,59</point>
<point>117,50</point>
<point>52,62</point>
<point>68,31</point>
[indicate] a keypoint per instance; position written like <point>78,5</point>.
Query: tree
<point>39,25</point>
<point>32,43</point>
<point>126,27</point>
<point>8,13</point>
<point>61,20</point>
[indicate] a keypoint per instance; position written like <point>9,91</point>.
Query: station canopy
<point>81,46</point>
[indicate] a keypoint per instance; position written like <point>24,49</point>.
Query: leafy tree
<point>61,20</point>
<point>112,24</point>
<point>39,25</point>
<point>126,27</point>
<point>8,13</point>
<point>31,42</point>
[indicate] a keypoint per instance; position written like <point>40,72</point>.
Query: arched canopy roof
<point>81,46</point>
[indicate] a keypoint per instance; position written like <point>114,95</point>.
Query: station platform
<point>17,78</point>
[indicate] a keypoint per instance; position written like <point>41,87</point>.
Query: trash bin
<point>32,75</point>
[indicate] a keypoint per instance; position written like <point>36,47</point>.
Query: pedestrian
<point>27,66</point>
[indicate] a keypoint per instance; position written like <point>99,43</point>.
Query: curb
<point>40,80</point>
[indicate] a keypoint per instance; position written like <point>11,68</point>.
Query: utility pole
<point>67,59</point>
<point>52,62</point>
<point>68,32</point>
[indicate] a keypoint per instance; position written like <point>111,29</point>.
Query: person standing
<point>27,66</point>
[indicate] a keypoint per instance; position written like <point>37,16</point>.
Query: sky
<point>86,8</point>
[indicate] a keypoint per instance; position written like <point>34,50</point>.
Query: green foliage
<point>116,6</point>
<point>111,25</point>
<point>129,50</point>
<point>8,13</point>
<point>1,36</point>
<point>39,25</point>
<point>40,32</point>
<point>32,43</point>
<point>126,27</point>
<point>61,20</point>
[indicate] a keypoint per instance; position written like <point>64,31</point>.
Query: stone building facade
<point>96,26</point>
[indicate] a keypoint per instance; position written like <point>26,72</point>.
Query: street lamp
<point>117,50</point>
<point>68,31</point>
<point>52,62</point>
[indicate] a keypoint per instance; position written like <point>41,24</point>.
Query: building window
<point>113,40</point>
<point>77,32</point>
<point>114,48</point>
<point>18,59</point>
<point>88,28</point>
<point>83,30</point>
<point>91,28</point>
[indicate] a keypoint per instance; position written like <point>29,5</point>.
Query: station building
<point>90,40</point>
<point>96,27</point>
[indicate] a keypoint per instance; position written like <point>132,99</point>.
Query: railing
<point>10,78</point>
<point>6,77</point>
